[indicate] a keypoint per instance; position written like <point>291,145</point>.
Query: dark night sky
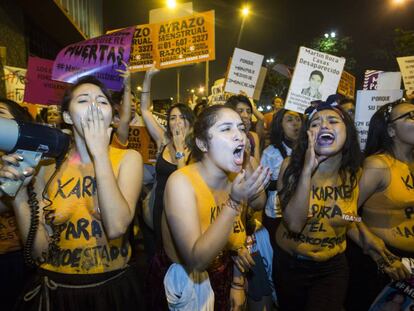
<point>276,28</point>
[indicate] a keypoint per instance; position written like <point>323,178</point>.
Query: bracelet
<point>234,205</point>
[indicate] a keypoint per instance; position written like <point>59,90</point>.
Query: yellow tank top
<point>209,210</point>
<point>83,247</point>
<point>331,209</point>
<point>390,213</point>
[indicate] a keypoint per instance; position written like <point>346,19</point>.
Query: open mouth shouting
<point>325,139</point>
<point>238,154</point>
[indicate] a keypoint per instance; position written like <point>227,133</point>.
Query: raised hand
<point>248,188</point>
<point>96,134</point>
<point>312,161</point>
<point>9,169</point>
<point>179,138</point>
<point>126,74</point>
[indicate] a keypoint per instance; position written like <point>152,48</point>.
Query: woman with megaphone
<point>80,243</point>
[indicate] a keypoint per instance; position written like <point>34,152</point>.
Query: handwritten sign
<point>15,80</point>
<point>100,57</point>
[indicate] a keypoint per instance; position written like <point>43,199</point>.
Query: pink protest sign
<point>40,88</point>
<point>100,57</point>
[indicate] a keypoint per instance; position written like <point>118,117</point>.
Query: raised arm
<point>125,109</point>
<point>196,248</point>
<point>117,197</point>
<point>155,130</point>
<point>296,211</point>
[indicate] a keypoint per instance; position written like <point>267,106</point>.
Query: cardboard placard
<point>316,76</point>
<point>40,88</point>
<point>15,81</point>
<point>142,48</point>
<point>141,141</point>
<point>347,85</point>
<point>100,57</point>
<point>407,70</point>
<point>244,71</point>
<point>185,40</point>
<point>368,102</point>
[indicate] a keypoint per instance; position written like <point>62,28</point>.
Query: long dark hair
<point>378,140</point>
<point>350,166</point>
<point>277,135</point>
<point>186,112</point>
<point>18,112</point>
<point>67,96</point>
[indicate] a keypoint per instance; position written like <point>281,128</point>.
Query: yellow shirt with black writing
<point>209,210</point>
<point>390,213</point>
<point>82,247</point>
<point>324,234</point>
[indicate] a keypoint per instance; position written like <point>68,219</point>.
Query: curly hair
<point>350,166</point>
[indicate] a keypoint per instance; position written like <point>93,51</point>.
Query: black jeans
<point>303,284</point>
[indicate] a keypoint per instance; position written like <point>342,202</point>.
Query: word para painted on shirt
<point>81,187</point>
<point>327,242</point>
<point>87,258</point>
<point>331,193</point>
<point>81,229</point>
<point>322,211</point>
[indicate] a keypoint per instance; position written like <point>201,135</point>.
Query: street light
<point>399,2</point>
<point>201,89</point>
<point>245,11</point>
<point>171,4</point>
<point>330,35</point>
<point>270,61</point>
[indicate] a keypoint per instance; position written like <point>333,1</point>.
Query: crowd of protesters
<point>245,211</point>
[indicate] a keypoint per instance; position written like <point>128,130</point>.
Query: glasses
<point>409,114</point>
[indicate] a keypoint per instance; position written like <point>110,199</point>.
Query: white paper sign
<point>244,72</point>
<point>389,81</point>
<point>407,70</point>
<point>15,80</point>
<point>316,76</point>
<point>368,102</point>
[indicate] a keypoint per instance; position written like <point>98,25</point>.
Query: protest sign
<point>14,78</point>
<point>371,79</point>
<point>260,83</point>
<point>368,102</point>
<point>100,57</point>
<point>40,88</point>
<point>398,295</point>
<point>316,76</point>
<point>389,80</point>
<point>218,96</point>
<point>244,72</point>
<point>346,85</point>
<point>185,40</point>
<point>139,140</point>
<point>407,70</point>
<point>142,48</point>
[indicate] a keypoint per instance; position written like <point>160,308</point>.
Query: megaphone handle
<point>30,159</point>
